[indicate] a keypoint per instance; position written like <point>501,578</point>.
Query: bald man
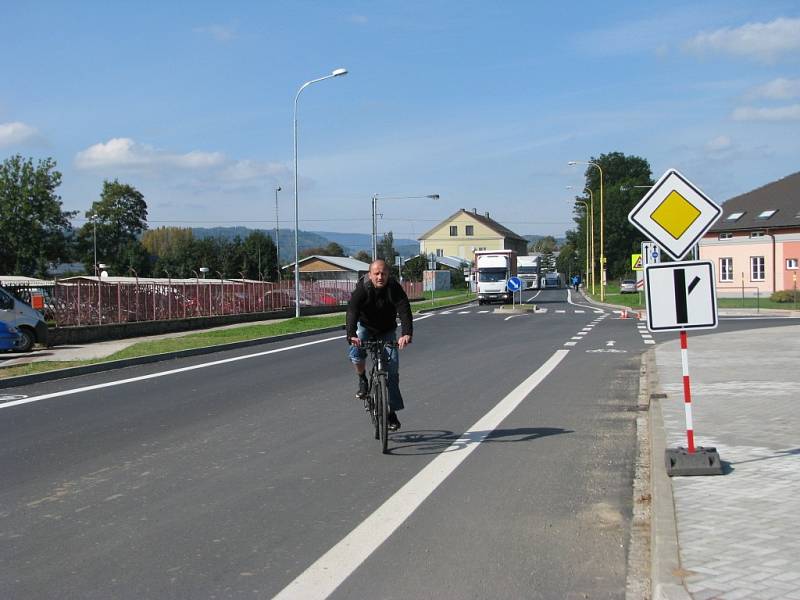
<point>375,305</point>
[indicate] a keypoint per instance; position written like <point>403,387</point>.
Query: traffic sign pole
<point>687,392</point>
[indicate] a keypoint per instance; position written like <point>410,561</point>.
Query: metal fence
<point>92,302</point>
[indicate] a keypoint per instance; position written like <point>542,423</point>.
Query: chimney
<point>487,214</point>
<point>474,211</point>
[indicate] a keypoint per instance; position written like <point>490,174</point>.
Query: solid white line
<point>532,298</point>
<point>329,571</point>
<point>592,308</point>
<point>98,386</point>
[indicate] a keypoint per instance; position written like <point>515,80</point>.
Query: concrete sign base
<point>703,461</point>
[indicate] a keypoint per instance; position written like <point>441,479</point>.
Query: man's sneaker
<point>393,421</point>
<point>363,388</point>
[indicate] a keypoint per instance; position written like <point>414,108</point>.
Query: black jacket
<point>378,309</point>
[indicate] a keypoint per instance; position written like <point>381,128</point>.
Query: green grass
<point>217,337</point>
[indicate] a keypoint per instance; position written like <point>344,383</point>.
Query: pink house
<point>755,244</point>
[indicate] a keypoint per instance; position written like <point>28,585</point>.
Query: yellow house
<point>464,232</point>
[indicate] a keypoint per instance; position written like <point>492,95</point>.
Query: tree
<point>621,174</point>
<point>33,228</point>
<point>414,267</point>
<point>386,249</point>
<point>363,256</point>
<point>120,217</point>
<point>545,245</point>
<point>162,240</point>
<point>260,257</point>
<point>332,249</point>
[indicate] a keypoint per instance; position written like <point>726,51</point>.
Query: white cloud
<point>125,153</point>
<point>220,33</point>
<point>16,133</point>
<point>358,19</point>
<point>778,89</point>
<point>249,170</point>
<point>762,41</point>
<point>719,143</point>
<point>780,113</point>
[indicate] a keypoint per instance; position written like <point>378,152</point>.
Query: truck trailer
<point>493,269</point>
<point>528,271</point>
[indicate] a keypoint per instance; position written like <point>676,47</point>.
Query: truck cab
<point>493,270</point>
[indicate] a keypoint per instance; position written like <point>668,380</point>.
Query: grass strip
<point>215,337</point>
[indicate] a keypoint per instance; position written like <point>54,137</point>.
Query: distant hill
<point>351,242</point>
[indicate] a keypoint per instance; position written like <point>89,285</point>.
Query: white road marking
<point>561,311</point>
<point>512,316</point>
<point>532,298</point>
<point>610,343</point>
<point>582,333</point>
<point>464,312</point>
<point>649,341</point>
<point>579,312</point>
<point>214,363</point>
<point>576,338</point>
<point>323,577</point>
<point>570,343</point>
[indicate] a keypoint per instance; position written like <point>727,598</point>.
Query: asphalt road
<point>230,475</point>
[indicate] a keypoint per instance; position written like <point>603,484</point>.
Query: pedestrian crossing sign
<point>636,262</point>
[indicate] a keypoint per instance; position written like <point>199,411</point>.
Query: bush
<point>783,296</point>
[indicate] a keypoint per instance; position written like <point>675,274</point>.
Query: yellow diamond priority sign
<point>675,214</point>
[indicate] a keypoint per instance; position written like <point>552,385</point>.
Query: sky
<point>482,103</point>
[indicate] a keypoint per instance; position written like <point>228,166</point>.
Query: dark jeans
<point>358,355</point>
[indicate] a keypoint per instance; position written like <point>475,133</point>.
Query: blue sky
<point>483,103</point>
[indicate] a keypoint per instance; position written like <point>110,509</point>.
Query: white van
<point>29,322</point>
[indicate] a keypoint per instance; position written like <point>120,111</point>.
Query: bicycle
<point>377,401</point>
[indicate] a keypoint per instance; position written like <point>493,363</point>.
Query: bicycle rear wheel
<point>382,410</point>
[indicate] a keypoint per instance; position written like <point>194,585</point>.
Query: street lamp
<point>375,216</point>
<point>336,73</point>
<point>602,247</point>
<point>277,237</point>
<point>590,228</point>
<point>586,206</point>
<point>93,219</point>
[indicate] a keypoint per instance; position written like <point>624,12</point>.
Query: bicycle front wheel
<point>382,410</point>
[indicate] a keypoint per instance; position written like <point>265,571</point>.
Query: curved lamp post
<point>336,73</point>
<point>602,247</point>
<point>375,216</point>
<point>590,228</point>
<point>586,207</point>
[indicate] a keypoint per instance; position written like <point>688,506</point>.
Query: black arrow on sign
<point>681,310</point>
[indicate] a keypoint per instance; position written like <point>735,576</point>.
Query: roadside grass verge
<point>638,301</point>
<point>215,337</point>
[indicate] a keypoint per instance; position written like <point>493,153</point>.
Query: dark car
<point>9,336</point>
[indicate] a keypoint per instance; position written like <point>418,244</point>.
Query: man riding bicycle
<point>375,304</point>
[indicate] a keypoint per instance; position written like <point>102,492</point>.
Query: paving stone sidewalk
<point>739,533</point>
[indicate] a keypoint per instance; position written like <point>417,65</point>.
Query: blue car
<point>9,336</point>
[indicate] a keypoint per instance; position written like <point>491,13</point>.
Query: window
<point>453,230</point>
<point>734,216</point>
<point>725,235</point>
<point>756,268</point>
<point>469,230</point>
<point>791,263</point>
<point>756,234</point>
<point>439,252</point>
<point>726,269</point>
<point>766,214</point>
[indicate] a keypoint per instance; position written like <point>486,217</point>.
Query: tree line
<point>35,231</point>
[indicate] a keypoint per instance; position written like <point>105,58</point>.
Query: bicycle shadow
<point>438,441</point>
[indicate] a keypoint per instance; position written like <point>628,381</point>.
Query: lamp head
<point>572,163</point>
<point>339,72</point>
<point>278,189</point>
<point>433,196</point>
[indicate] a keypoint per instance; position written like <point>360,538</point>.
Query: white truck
<point>528,271</point>
<point>493,269</point>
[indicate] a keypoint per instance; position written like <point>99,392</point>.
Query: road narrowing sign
<point>675,214</point>
<point>681,295</point>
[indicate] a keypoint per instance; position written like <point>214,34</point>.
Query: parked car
<point>628,286</point>
<point>9,337</point>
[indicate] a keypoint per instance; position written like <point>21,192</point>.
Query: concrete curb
<point>143,360</point>
<point>666,572</point>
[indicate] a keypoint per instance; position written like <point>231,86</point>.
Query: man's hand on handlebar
<point>355,341</point>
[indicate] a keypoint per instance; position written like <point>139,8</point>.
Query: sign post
<point>679,295</point>
<point>514,285</point>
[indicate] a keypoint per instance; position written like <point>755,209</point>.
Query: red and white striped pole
<point>687,392</point>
